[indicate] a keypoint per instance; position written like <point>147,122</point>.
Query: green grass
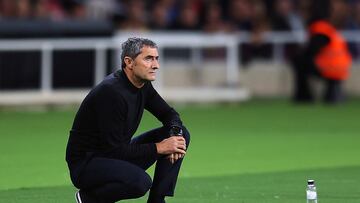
<point>254,152</point>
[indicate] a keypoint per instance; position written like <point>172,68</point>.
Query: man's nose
<point>155,65</point>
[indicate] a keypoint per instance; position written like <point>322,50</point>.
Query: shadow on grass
<point>335,185</point>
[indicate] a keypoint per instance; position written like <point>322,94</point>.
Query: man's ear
<point>129,62</point>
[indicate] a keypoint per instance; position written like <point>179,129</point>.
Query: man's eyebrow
<point>151,56</point>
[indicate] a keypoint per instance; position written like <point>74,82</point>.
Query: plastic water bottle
<point>311,194</point>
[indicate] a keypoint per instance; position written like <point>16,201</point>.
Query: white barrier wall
<point>199,80</point>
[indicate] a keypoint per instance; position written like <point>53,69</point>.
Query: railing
<point>194,41</point>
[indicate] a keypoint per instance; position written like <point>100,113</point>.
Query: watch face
<point>176,131</point>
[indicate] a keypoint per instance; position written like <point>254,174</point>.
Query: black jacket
<point>108,118</point>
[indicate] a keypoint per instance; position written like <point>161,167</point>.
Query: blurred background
<point>53,51</point>
<point>225,65</point>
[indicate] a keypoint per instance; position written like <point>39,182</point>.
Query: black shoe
<point>82,197</point>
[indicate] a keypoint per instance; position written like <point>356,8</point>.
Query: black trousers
<point>111,180</point>
<point>304,68</point>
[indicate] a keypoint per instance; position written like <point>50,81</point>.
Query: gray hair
<point>132,48</point>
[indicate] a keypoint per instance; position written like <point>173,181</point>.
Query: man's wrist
<point>158,148</point>
<point>175,131</point>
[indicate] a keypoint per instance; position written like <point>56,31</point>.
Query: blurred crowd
<point>189,15</point>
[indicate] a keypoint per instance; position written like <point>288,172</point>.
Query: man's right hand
<point>173,144</point>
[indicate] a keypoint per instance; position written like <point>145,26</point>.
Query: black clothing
<point>100,138</point>
<point>109,116</point>
<point>316,43</point>
<point>112,179</point>
<point>304,67</point>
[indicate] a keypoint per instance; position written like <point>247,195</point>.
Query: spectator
<point>23,9</point>
<point>303,9</point>
<point>135,16</point>
<point>159,17</point>
<point>257,48</point>
<point>339,14</point>
<point>102,9</point>
<point>188,18</point>
<point>213,19</point>
<point>8,9</point>
<point>356,14</point>
<point>325,56</point>
<point>194,15</point>
<point>285,17</point>
<point>240,14</point>
<point>74,9</point>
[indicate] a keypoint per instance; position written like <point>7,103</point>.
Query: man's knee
<point>141,185</point>
<point>115,191</point>
<point>186,135</point>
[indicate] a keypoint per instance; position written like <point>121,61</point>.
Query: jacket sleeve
<point>316,43</point>
<point>156,105</point>
<point>111,112</point>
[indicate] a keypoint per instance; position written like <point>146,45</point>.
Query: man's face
<point>146,64</point>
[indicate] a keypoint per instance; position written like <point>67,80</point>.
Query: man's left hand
<point>174,157</point>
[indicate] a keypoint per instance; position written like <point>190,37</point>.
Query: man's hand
<point>174,157</point>
<point>172,145</point>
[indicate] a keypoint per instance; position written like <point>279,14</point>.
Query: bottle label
<point>311,195</point>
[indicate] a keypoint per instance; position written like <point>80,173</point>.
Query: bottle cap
<point>311,182</point>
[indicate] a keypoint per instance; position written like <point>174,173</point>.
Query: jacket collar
<point>123,77</point>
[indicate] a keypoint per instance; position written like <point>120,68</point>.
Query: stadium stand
<point>53,47</point>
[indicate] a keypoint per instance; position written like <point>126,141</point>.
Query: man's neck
<point>133,79</point>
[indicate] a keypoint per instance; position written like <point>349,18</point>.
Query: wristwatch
<point>176,131</point>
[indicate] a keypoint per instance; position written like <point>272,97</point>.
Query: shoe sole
<point>77,197</point>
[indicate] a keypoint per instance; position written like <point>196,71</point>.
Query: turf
<point>259,151</point>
